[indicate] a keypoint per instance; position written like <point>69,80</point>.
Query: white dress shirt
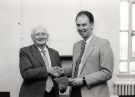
<point>86,45</point>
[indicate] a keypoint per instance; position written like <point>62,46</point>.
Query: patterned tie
<point>49,81</point>
<point>79,59</point>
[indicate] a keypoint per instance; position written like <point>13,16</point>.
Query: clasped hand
<point>75,81</point>
<point>55,71</point>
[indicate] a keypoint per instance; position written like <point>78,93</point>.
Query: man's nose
<point>40,36</point>
<point>81,27</point>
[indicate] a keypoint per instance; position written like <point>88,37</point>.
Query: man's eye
<point>77,25</point>
<point>84,25</point>
<point>43,34</point>
<point>37,34</point>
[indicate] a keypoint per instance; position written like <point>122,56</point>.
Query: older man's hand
<point>55,71</point>
<point>59,70</point>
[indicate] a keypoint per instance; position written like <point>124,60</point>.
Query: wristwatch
<point>84,81</point>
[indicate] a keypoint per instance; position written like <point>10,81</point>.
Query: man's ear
<point>32,37</point>
<point>92,26</point>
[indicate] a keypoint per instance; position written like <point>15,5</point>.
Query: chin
<point>41,44</point>
<point>83,36</point>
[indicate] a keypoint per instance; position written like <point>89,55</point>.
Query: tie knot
<point>43,51</point>
<point>83,44</point>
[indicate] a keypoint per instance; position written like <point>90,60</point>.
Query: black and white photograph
<point>67,48</point>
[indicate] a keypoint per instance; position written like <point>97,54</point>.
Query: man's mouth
<point>82,32</point>
<point>40,39</point>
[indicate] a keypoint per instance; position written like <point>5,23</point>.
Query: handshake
<point>55,71</point>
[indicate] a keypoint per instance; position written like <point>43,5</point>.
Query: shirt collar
<point>41,49</point>
<point>89,39</point>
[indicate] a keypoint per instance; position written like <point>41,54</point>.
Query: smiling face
<point>84,27</point>
<point>40,36</point>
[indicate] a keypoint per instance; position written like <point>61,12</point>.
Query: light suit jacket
<point>97,66</point>
<point>34,71</point>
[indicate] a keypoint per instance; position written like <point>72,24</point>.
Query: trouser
<point>52,93</point>
<point>76,92</point>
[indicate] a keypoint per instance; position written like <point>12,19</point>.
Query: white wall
<point>9,46</point>
<point>58,16</point>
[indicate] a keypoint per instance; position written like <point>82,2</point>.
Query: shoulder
<point>102,41</point>
<point>27,48</point>
<point>78,43</point>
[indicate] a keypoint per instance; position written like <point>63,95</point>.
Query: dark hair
<point>88,14</point>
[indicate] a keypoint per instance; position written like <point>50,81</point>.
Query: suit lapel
<point>88,52</point>
<point>76,56</point>
<point>37,55</point>
<point>51,56</point>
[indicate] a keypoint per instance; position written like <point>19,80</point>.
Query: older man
<point>37,67</point>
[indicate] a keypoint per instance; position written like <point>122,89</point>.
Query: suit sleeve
<point>28,72</point>
<point>106,70</point>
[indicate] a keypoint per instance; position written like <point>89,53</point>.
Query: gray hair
<point>35,28</point>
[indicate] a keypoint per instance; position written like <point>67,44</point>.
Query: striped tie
<point>49,81</point>
<point>79,58</point>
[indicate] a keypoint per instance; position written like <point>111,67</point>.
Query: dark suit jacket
<point>34,71</point>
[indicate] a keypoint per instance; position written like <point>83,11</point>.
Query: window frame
<point>131,33</point>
